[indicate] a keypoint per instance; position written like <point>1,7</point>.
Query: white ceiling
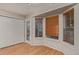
<point>30,8</point>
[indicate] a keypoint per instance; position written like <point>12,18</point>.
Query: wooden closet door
<point>52,26</point>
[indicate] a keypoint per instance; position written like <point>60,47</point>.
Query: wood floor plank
<point>27,49</point>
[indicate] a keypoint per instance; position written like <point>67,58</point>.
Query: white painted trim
<point>44,27</point>
<point>60,27</point>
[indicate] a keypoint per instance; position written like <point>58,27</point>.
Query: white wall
<point>76,17</point>
<point>11,31</point>
<point>59,44</point>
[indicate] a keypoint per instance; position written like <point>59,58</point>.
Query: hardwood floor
<point>27,49</point>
